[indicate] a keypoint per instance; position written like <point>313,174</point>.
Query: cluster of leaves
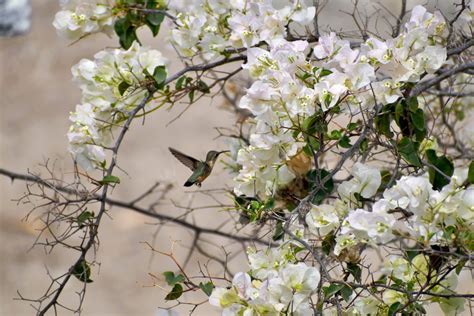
<point>136,14</point>
<point>410,119</point>
<point>252,209</point>
<point>190,86</point>
<point>177,282</point>
<point>82,271</point>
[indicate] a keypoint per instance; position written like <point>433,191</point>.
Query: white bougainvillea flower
<point>81,18</point>
<point>366,181</point>
<point>411,193</point>
<point>322,219</point>
<point>101,81</point>
<point>370,226</point>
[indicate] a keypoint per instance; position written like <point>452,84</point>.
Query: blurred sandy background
<point>36,96</point>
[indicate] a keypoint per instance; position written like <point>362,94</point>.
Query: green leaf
<point>159,74</point>
<point>313,124</point>
<point>82,271</point>
<point>279,231</point>
<point>399,113</point>
<point>155,29</point>
<point>207,287</point>
<point>393,309</point>
<point>311,142</point>
<point>325,72</point>
<point>345,142</point>
<point>175,293</point>
<point>125,31</point>
<point>386,176</point>
<point>354,270</point>
<point>470,173</point>
<point>364,145</point>
<point>155,18</point>
<point>352,126</point>
<point>346,293</point>
<point>255,204</point>
<point>438,179</point>
<point>331,290</point>
<point>180,83</point>
<point>412,104</point>
<point>418,119</point>
<point>313,179</point>
<point>191,96</point>
<point>202,87</point>
<point>407,150</point>
<point>172,279</point>
<point>109,179</point>
<point>460,265</point>
<point>84,216</point>
<point>269,204</point>
<point>411,254</point>
<point>123,86</point>
<point>328,243</point>
<point>382,123</point>
<point>335,134</point>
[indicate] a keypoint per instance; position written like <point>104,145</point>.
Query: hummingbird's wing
<point>189,162</point>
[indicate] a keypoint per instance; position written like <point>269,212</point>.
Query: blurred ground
<point>36,96</point>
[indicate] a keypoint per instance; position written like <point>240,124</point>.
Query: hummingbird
<point>201,169</point>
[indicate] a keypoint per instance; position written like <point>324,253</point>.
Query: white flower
<point>325,46</point>
<point>329,91</point>
<point>370,226</point>
<point>102,98</point>
<point>365,182</point>
<point>398,267</point>
<point>322,219</point>
<point>376,50</point>
<point>82,18</point>
<point>343,242</point>
<point>222,297</point>
<point>386,91</point>
<point>411,193</point>
<point>390,297</point>
<point>366,305</point>
<point>243,285</point>
<point>303,15</point>
<point>360,74</point>
<point>431,59</point>
<point>244,29</point>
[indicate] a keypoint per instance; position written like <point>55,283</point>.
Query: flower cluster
<point>112,85</point>
<point>212,26</point>
<point>425,211</point>
<point>79,18</point>
<point>276,284</point>
<point>415,272</point>
<point>410,208</point>
<point>290,87</point>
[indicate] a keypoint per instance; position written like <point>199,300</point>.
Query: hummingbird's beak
<point>224,151</point>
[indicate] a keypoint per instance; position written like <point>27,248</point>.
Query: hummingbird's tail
<point>188,183</point>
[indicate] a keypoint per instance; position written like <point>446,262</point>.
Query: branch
<point>396,30</point>
<point>94,228</point>
<point>131,206</point>
<point>206,66</point>
<point>426,84</point>
<point>461,48</point>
